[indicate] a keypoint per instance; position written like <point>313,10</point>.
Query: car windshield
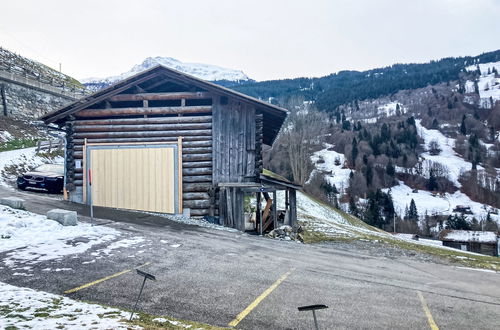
<point>52,168</point>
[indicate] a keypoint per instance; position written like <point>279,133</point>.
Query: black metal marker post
<point>313,308</point>
<point>146,277</point>
<point>91,200</point>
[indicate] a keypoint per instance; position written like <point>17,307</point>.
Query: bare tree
<point>302,134</point>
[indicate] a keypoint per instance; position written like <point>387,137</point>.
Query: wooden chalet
<point>164,141</point>
<point>484,242</point>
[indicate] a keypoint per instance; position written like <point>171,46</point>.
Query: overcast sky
<point>266,39</point>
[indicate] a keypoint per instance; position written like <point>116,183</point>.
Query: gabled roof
<point>274,116</point>
<point>468,236</point>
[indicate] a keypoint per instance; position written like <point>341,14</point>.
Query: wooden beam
<point>195,138</point>
<point>143,121</point>
<point>238,184</point>
<point>188,144</point>
<point>147,127</point>
<point>100,135</point>
<point>160,96</point>
<point>142,111</point>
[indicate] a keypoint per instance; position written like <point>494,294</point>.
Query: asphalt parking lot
<point>223,278</point>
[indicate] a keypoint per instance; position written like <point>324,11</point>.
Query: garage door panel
<point>138,178</point>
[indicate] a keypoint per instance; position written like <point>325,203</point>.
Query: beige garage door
<point>134,177</point>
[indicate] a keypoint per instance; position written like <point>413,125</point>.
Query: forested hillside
<point>413,144</point>
<point>343,87</point>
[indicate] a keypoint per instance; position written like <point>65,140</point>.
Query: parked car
<point>49,177</point>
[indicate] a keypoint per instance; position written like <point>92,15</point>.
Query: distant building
<point>484,242</point>
<point>462,209</point>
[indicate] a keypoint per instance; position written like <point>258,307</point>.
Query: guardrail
<point>53,86</point>
<point>49,145</point>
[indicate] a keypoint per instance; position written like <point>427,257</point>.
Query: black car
<point>49,177</point>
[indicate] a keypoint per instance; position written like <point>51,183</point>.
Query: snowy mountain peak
<point>203,71</point>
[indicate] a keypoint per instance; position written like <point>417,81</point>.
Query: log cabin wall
<point>234,142</point>
<point>155,124</point>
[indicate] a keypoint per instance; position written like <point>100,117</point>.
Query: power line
<point>56,63</point>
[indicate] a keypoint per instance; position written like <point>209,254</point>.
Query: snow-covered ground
<point>5,136</point>
<point>435,205</point>
<point>390,109</point>
<point>25,158</point>
<point>26,308</point>
<point>455,164</point>
<point>29,238</point>
<point>488,83</point>
<point>335,174</point>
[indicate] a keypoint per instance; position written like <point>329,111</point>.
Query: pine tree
<point>463,128</point>
<point>385,133</point>
<point>390,169</point>
<point>353,208</point>
<point>432,184</point>
<point>369,175</point>
<point>412,211</point>
<point>457,223</point>
<point>354,151</point>
<point>476,87</point>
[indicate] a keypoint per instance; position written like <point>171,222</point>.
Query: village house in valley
<point>484,242</point>
<point>164,141</point>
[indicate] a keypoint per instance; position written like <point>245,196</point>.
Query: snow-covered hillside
<point>332,165</point>
<point>203,71</point>
<point>488,83</point>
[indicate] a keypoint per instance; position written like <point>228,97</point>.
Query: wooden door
<point>134,177</point>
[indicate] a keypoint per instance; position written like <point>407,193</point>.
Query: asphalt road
<point>212,276</point>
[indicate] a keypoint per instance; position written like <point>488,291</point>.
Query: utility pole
<point>394,222</point>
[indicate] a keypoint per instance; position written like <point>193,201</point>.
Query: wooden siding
<point>134,178</point>
<point>234,143</point>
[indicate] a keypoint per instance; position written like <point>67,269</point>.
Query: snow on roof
<point>468,236</point>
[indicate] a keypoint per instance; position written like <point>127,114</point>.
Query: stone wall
<point>23,99</point>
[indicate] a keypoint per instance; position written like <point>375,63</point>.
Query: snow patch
<point>34,239</point>
<point>324,162</point>
<point>23,308</point>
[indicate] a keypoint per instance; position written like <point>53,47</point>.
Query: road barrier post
<point>313,308</point>
<point>146,277</point>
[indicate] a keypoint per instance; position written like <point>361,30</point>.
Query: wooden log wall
<point>234,143</point>
<point>70,160</point>
<point>114,125</point>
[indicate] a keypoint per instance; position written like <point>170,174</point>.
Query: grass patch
<point>11,327</point>
<point>456,257</point>
<point>18,144</point>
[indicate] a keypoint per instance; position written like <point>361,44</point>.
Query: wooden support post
<point>275,210</point>
<point>286,199</point>
<point>293,207</point>
<point>258,216</point>
<point>179,164</point>
<point>229,207</point>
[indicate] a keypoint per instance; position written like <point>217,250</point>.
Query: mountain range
<point>203,71</point>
